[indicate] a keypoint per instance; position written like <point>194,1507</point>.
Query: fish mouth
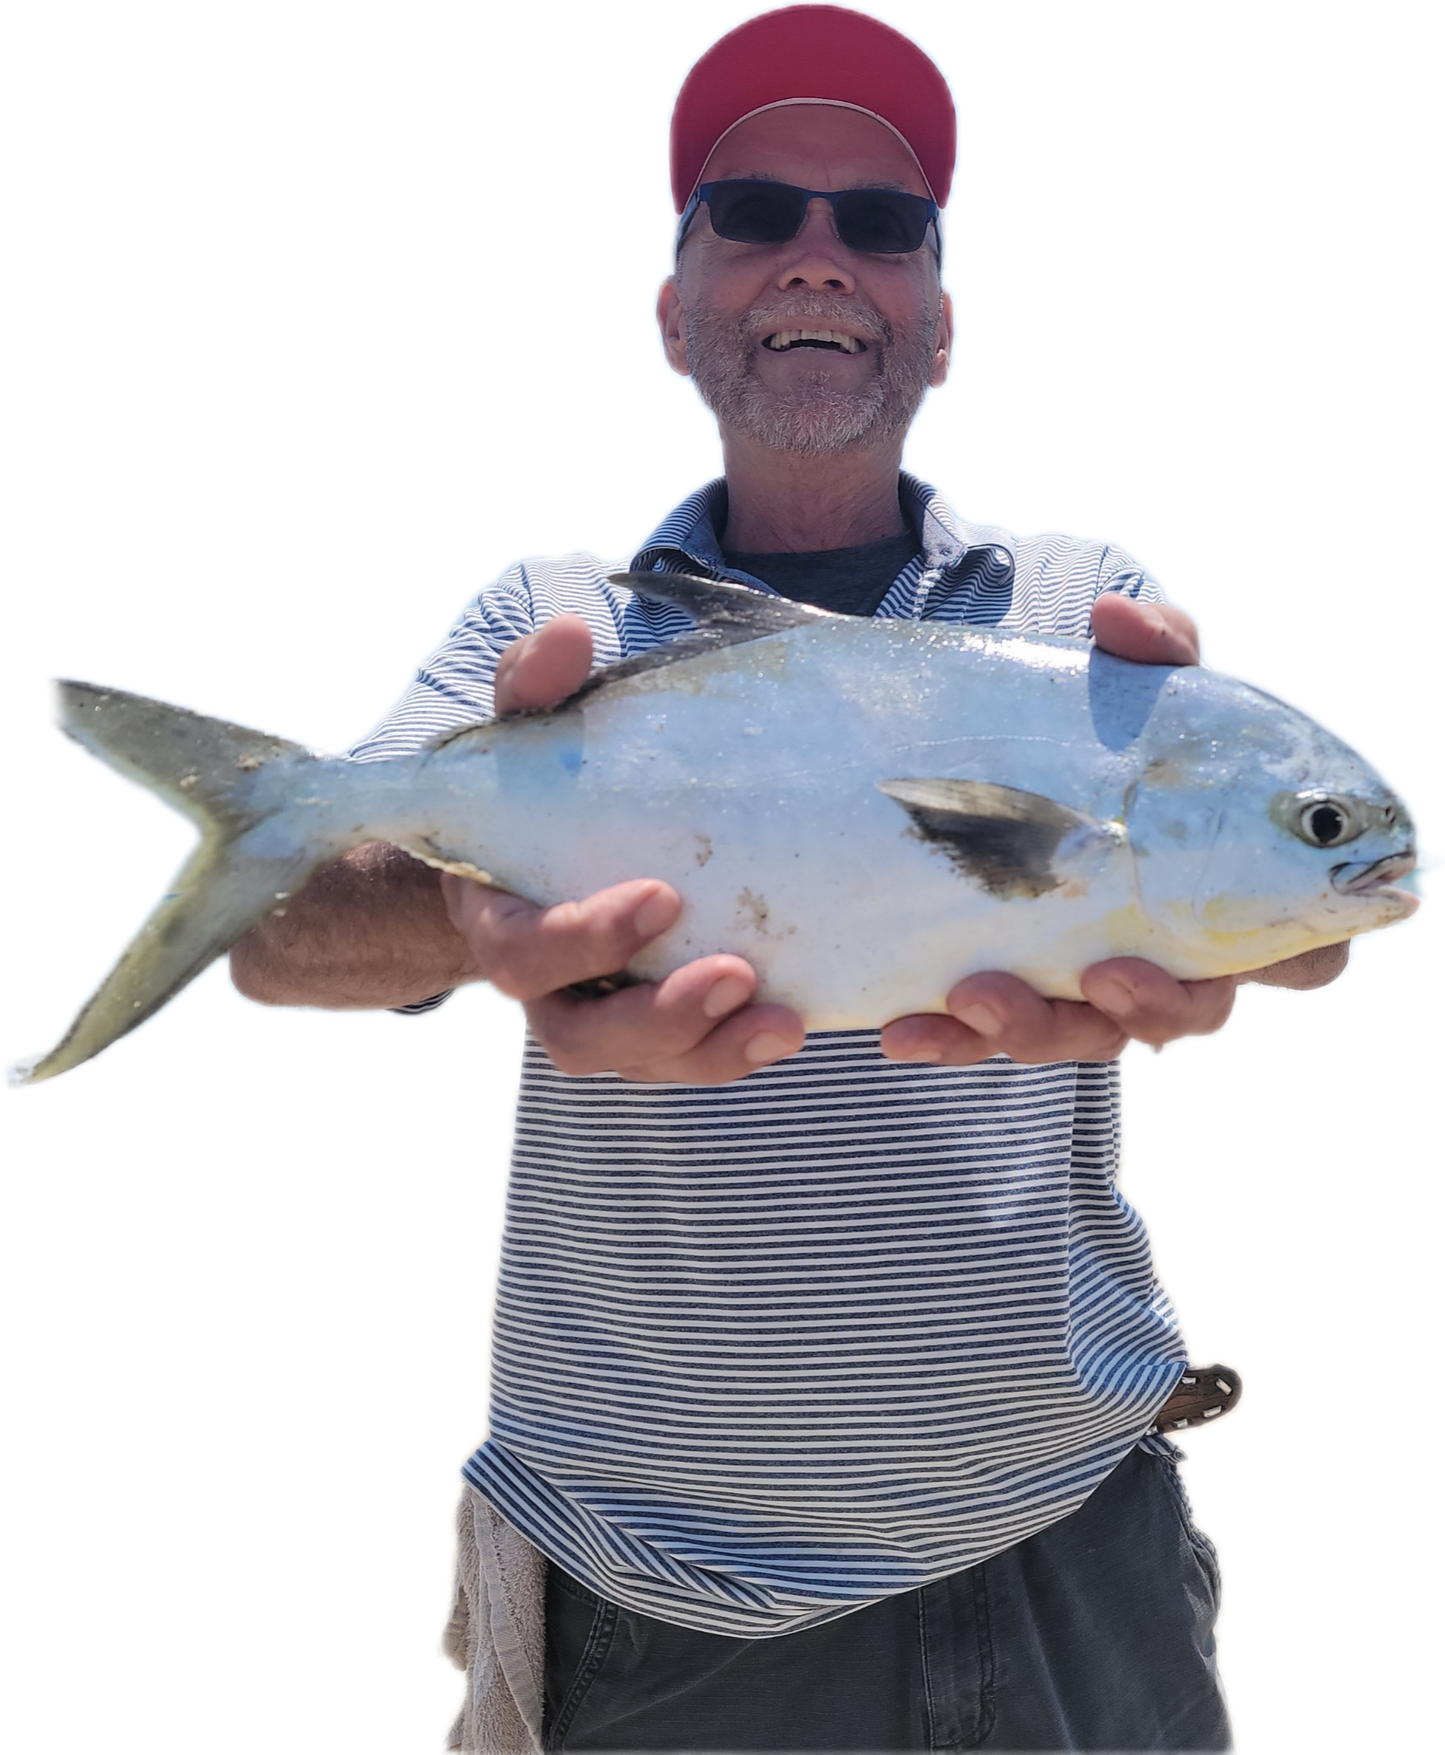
<point>1376,878</point>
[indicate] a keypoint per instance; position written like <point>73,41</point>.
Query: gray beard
<point>814,418</point>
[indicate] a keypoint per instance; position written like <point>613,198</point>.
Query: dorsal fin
<point>729,614</point>
<point>725,615</point>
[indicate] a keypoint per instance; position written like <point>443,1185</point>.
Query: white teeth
<point>785,338</point>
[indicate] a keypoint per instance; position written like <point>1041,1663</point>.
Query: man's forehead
<point>820,146</point>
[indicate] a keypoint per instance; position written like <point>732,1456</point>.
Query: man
<point>824,1366</point>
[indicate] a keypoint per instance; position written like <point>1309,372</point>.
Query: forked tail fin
<point>224,778</point>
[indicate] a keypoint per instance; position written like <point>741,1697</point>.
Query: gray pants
<point>1095,1634</point>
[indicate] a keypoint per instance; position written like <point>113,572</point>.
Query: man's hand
<point>999,1014</point>
<point>697,1027</point>
<point>1124,998</point>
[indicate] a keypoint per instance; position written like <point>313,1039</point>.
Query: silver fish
<point>867,810</point>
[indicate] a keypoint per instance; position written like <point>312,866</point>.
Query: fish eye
<point>1326,822</point>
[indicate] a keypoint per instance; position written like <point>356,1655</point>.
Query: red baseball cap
<point>814,54</point>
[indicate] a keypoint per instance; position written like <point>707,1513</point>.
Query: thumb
<point>1147,633</point>
<point>543,668</point>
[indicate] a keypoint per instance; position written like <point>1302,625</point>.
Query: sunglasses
<point>879,222</point>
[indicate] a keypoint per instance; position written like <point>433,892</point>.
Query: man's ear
<point>673,325</point>
<point>947,341</point>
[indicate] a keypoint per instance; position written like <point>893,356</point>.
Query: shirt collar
<point>687,539</point>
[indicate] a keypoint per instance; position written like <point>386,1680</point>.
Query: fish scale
<point>866,809</point>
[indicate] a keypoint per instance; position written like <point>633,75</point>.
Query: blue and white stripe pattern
<point>767,1352</point>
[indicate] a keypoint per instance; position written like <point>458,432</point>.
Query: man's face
<point>725,312</point>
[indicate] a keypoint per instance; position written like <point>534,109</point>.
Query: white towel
<point>497,1633</point>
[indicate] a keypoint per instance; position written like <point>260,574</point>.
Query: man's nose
<point>817,259</point>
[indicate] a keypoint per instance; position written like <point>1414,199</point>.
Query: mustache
<point>815,311</point>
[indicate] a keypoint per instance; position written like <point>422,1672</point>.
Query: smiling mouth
<point>785,340</point>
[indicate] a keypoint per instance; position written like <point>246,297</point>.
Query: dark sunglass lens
<point>884,222</point>
<point>756,213</point>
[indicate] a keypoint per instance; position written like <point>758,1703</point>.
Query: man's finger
<point>1028,1028</point>
<point>999,1014</point>
<point>754,1037</point>
<point>526,951</point>
<point>1151,1005</point>
<point>1147,633</point>
<point>597,1035</point>
<point>644,1024</point>
<point>543,668</point>
<point>934,1038</point>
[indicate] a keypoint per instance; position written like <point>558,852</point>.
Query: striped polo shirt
<point>767,1352</point>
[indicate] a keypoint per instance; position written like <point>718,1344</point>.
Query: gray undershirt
<point>850,581</point>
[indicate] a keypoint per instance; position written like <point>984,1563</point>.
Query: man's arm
<point>379,929</point>
<point>368,932</point>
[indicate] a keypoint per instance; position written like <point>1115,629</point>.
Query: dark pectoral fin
<point>1000,838</point>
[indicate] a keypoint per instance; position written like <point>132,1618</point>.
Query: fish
<point>866,809</point>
